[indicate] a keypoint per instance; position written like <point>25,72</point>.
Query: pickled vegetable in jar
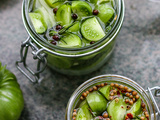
<point>73,24</point>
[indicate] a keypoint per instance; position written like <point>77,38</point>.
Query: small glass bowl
<point>146,95</point>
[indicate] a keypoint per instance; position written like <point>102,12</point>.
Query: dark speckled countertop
<point>137,56</point>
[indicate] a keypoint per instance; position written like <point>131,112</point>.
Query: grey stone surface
<point>137,56</point>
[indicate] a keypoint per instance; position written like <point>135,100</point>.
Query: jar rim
<point>101,78</point>
<point>40,41</point>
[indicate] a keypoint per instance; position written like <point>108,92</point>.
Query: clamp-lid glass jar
<point>70,61</point>
<point>146,96</point>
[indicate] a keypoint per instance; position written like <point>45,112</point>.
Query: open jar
<point>70,61</point>
<point>146,95</point>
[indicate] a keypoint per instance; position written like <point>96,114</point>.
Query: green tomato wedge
<point>83,112</point>
<point>117,109</point>
<point>98,1</point>
<point>38,22</point>
<point>93,1</point>
<point>92,30</point>
<point>63,15</point>
<point>103,1</point>
<point>106,12</point>
<point>49,10</point>
<point>96,102</point>
<point>75,27</point>
<point>54,3</point>
<point>70,40</point>
<point>11,97</point>
<point>136,108</point>
<point>81,8</point>
<point>105,91</point>
<point>36,4</point>
<point>45,15</point>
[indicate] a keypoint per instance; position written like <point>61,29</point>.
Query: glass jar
<point>68,61</point>
<point>146,95</point>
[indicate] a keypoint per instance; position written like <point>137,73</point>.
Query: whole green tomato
<point>11,97</point>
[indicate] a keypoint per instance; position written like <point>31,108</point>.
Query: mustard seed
<point>142,118</point>
<point>114,91</point>
<point>87,92</point>
<point>145,112</point>
<point>126,100</point>
<point>102,84</point>
<point>111,98</point>
<point>143,105</point>
<point>81,98</point>
<point>121,87</point>
<point>131,96</point>
<point>112,84</point>
<point>116,85</point>
<point>105,115</point>
<point>95,88</point>
<point>134,93</point>
<point>84,94</point>
<point>127,94</point>
<point>112,94</point>
<point>137,97</point>
<point>91,89</point>
<point>126,88</point>
<point>74,114</point>
<point>134,99</point>
<point>147,115</point>
<point>131,102</point>
<point>129,90</point>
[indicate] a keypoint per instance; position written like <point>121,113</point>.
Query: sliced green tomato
<point>36,4</point>
<point>44,13</point>
<point>93,1</point>
<point>54,3</point>
<point>117,109</point>
<point>105,91</point>
<point>136,108</point>
<point>83,112</point>
<point>103,1</point>
<point>38,22</point>
<point>75,27</point>
<point>106,12</point>
<point>92,30</point>
<point>50,11</point>
<point>96,102</point>
<point>70,40</point>
<point>81,8</point>
<point>98,1</point>
<point>63,15</point>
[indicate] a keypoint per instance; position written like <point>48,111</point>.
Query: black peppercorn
<point>58,27</point>
<point>53,42</point>
<point>95,12</point>
<point>74,16</point>
<point>92,42</point>
<point>55,10</point>
<point>55,37</point>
